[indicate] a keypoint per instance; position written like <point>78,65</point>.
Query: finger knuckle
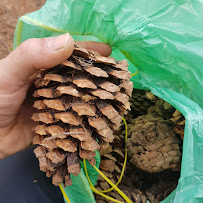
<point>24,47</point>
<point>31,47</point>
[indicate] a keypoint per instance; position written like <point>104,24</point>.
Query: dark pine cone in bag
<point>111,165</point>
<point>167,111</point>
<point>153,145</point>
<point>78,104</point>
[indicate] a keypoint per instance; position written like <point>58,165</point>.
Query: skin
<point>17,73</point>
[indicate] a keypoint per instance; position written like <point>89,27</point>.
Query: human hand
<point>17,73</point>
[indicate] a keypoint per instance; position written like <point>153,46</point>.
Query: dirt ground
<point>10,11</point>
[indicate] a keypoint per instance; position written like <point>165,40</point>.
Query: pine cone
<point>139,104</point>
<point>111,162</point>
<point>111,165</point>
<point>167,111</point>
<point>179,123</point>
<point>78,103</point>
<point>153,145</point>
<point>160,107</point>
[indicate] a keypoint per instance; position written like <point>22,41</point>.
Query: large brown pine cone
<point>153,145</point>
<point>78,104</point>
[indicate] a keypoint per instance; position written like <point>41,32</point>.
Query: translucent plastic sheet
<point>163,39</point>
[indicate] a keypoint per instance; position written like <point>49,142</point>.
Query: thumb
<point>35,54</point>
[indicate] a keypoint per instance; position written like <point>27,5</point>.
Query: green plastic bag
<point>163,39</point>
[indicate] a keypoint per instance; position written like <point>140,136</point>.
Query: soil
<point>10,11</point>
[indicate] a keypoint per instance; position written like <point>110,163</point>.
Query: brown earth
<point>10,11</point>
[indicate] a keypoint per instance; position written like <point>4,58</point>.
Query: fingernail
<point>56,43</point>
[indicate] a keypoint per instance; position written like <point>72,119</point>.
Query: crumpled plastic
<point>162,39</point>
